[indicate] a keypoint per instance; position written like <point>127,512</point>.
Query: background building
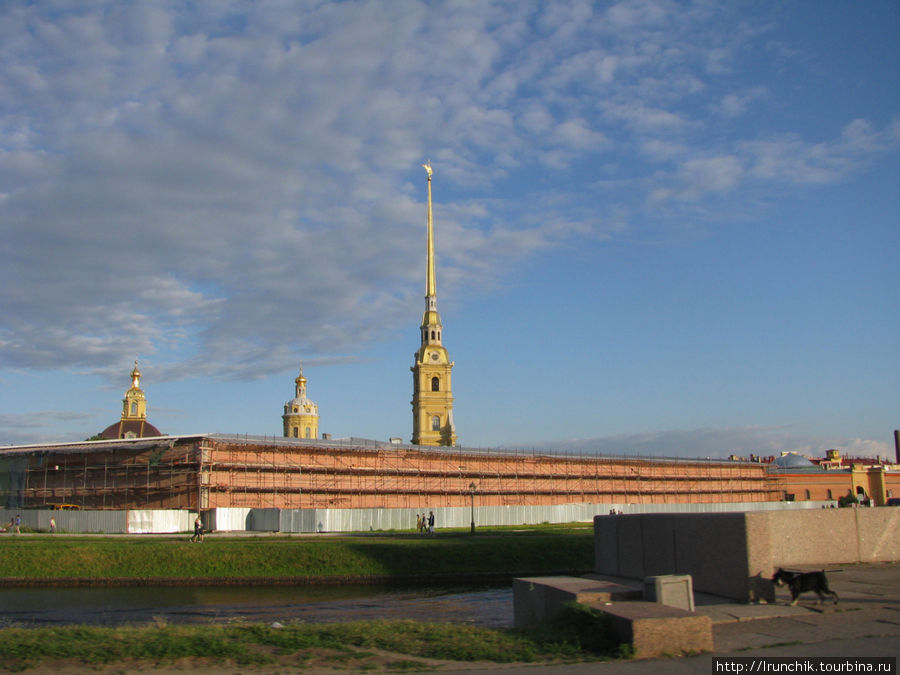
<point>870,481</point>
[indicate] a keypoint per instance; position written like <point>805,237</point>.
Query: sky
<point>662,228</point>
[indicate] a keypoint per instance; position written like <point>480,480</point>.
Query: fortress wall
<point>144,475</point>
<point>198,473</point>
<point>817,485</point>
<point>306,476</point>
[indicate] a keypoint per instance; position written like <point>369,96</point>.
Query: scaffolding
<point>203,472</point>
<point>309,475</point>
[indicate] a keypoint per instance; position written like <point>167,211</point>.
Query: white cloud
<point>639,14</point>
<point>736,103</point>
<point>225,187</point>
<point>26,428</point>
<point>712,174</point>
<point>647,119</point>
<point>789,157</point>
<point>721,443</point>
<point>577,134</point>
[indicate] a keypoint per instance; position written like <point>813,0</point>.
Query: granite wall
<point>735,554</point>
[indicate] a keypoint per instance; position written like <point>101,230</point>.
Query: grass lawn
<point>579,635</point>
<point>371,645</point>
<point>222,558</point>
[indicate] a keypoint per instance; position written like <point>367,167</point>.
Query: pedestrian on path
<point>198,530</point>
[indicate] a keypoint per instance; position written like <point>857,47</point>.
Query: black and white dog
<point>801,582</point>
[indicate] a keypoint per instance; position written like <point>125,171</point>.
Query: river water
<point>33,607</point>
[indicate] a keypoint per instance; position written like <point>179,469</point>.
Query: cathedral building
<point>301,416</point>
<point>133,423</point>
<point>432,400</point>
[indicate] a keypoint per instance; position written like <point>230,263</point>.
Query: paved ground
<point>866,622</point>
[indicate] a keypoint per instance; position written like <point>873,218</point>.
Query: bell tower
<point>134,405</point>
<point>432,400</point>
<point>133,422</point>
<point>301,416</point>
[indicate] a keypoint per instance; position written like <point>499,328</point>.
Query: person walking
<point>52,524</point>
<point>198,530</point>
<point>431,523</point>
<point>18,522</point>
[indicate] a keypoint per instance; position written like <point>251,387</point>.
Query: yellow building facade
<point>301,416</point>
<point>432,400</point>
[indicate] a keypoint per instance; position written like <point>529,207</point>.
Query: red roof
<point>140,428</point>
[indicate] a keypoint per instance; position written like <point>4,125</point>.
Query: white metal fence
<point>102,522</point>
<point>373,520</point>
<point>139,521</point>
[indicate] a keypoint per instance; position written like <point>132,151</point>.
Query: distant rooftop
<point>794,463</point>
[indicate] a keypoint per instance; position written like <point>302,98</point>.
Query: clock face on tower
<point>434,356</point>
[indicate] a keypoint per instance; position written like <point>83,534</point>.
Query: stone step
<point>655,630</point>
<point>537,599</point>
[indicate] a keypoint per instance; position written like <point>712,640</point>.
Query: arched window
<point>308,432</point>
<point>830,495</point>
<point>435,384</point>
<point>134,407</point>
<point>296,432</point>
<point>432,335</point>
<point>435,423</point>
<point>807,494</point>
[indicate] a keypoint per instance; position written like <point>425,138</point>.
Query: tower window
<point>308,432</point>
<point>435,384</point>
<point>432,335</point>
<point>435,423</point>
<point>296,432</point>
<point>134,407</point>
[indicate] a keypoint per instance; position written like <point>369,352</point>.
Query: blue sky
<point>663,228</point>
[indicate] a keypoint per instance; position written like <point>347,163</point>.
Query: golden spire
<point>135,377</point>
<point>429,274</point>
<point>300,385</point>
<point>431,320</point>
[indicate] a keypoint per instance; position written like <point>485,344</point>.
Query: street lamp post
<point>472,495</point>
